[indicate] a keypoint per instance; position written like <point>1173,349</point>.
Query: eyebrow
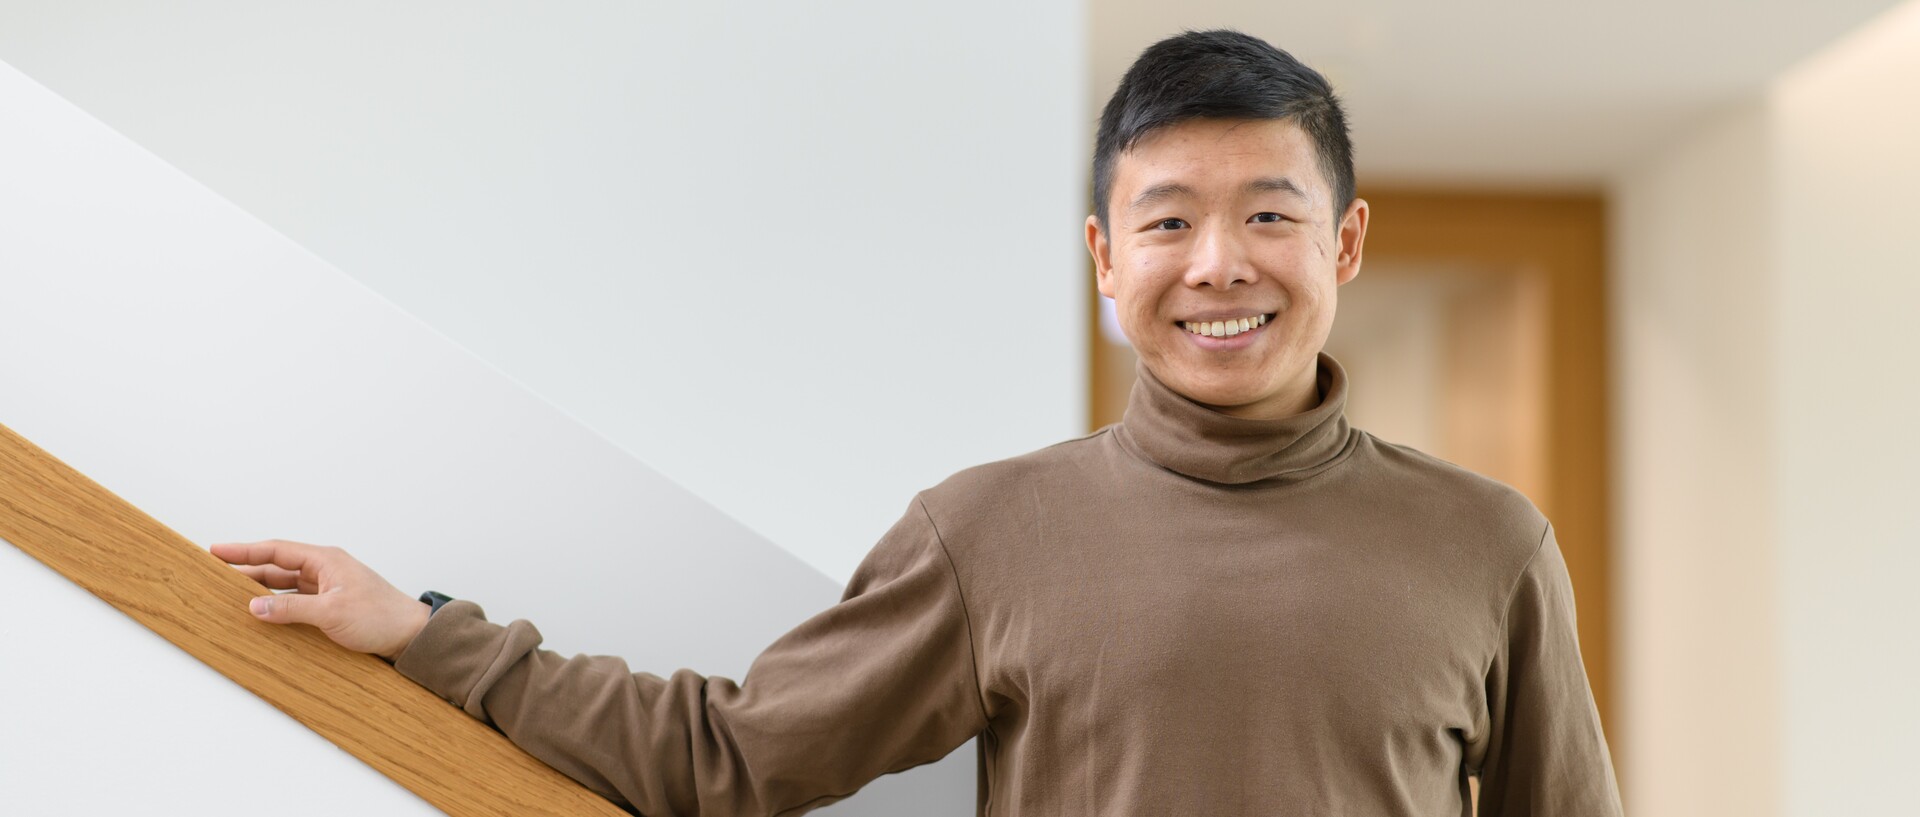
<point>1277,184</point>
<point>1265,184</point>
<point>1159,193</point>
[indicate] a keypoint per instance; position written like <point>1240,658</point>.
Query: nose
<point>1219,260</point>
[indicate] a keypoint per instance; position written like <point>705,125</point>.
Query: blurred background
<point>1652,263</point>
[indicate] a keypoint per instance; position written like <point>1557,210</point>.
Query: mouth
<point>1225,328</point>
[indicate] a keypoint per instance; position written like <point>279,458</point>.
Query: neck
<point>1181,435</point>
<point>1300,395</point>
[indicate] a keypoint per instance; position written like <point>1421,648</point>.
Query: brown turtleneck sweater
<point>1184,613</point>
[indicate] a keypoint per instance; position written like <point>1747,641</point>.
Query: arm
<point>881,682</point>
<point>1546,754</point>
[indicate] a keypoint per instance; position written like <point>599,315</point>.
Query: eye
<point>1267,218</point>
<point>1169,224</point>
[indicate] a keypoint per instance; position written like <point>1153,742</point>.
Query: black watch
<point>434,599</point>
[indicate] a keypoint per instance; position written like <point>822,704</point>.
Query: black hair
<point>1222,74</point>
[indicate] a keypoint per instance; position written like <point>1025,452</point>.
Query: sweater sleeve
<point>880,682</point>
<point>1546,755</point>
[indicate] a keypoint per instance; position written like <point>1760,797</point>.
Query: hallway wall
<point>1848,349</point>
<point>1696,553</point>
<point>1765,277</point>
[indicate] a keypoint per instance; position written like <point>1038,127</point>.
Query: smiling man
<point>1223,266</point>
<point>1231,602</point>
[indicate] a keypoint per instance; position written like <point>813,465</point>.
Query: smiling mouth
<point>1225,328</point>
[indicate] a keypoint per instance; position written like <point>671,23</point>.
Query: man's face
<point>1213,221</point>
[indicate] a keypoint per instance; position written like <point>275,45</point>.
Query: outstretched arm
<point>881,682</point>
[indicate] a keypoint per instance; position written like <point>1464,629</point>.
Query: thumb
<point>284,608</point>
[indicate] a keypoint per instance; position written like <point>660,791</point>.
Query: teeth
<point>1223,329</point>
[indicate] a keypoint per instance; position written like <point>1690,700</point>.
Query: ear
<point>1353,234</point>
<point>1102,252</point>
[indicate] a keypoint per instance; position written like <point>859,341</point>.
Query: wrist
<point>415,620</point>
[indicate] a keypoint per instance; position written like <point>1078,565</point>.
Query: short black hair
<point>1229,75</point>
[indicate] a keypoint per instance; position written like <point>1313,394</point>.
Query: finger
<point>290,555</point>
<point>276,577</point>
<point>229,552</point>
<point>286,608</point>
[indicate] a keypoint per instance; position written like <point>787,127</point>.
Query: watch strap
<point>435,600</point>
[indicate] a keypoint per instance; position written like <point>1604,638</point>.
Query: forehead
<point>1217,155</point>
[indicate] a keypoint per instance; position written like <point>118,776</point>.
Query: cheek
<point>1306,304</point>
<point>1144,283</point>
<point>1289,257</point>
<point>1305,281</point>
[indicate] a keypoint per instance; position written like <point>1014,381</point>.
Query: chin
<point>1224,391</point>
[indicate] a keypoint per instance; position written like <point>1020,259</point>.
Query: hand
<point>336,593</point>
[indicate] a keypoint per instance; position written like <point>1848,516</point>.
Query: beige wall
<point>1696,555</point>
<point>1766,271</point>
<point>1846,146</point>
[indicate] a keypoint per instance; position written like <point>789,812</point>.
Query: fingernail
<point>258,605</point>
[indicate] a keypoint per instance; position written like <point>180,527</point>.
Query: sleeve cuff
<point>452,652</point>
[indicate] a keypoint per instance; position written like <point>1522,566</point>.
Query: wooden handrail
<point>359,702</point>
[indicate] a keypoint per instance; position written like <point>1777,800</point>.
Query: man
<point>1232,602</point>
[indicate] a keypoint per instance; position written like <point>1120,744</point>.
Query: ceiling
<point>1489,94</point>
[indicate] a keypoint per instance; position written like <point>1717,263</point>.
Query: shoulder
<point>993,482</point>
<point>1008,496</point>
<point>1452,496</point>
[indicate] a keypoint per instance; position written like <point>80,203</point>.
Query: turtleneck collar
<point>1176,433</point>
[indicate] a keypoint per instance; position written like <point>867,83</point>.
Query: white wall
<point>1766,271</point>
<point>1846,126</point>
<point>217,375</point>
<point>804,258</point>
